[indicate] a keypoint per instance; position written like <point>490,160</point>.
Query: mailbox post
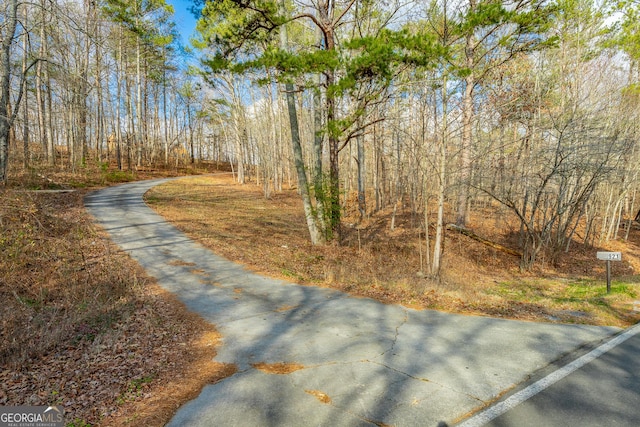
<point>608,257</point>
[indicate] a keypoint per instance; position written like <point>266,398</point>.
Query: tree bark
<point>467,123</point>
<point>315,232</point>
<point>318,143</point>
<point>442,175</point>
<point>6,122</point>
<point>118,98</point>
<point>164,109</point>
<point>317,237</point>
<point>25,109</point>
<point>327,26</point>
<point>362,200</point>
<point>138,115</point>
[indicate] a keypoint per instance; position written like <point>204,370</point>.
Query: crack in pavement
<point>395,338</point>
<point>426,380</point>
<point>399,371</point>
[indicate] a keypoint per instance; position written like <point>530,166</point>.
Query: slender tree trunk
<point>8,31</point>
<point>136,128</point>
<point>315,232</point>
<point>377,176</point>
<point>442,175</point>
<point>50,133</point>
<point>240,136</point>
<point>467,123</point>
<point>100,137</point>
<point>398,184</point>
<point>362,201</point>
<point>131,134</point>
<point>326,9</point>
<point>465,160</point>
<point>118,100</point>
<point>190,128</point>
<point>84,84</point>
<point>318,142</point>
<point>164,110</point>
<point>25,108</point>
<point>317,237</point>
<point>42,80</point>
<point>83,123</point>
<point>143,154</point>
<point>334,165</point>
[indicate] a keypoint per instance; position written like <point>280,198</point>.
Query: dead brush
<point>57,285</point>
<point>374,258</point>
<point>80,322</point>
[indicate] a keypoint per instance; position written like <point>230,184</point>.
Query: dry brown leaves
<point>82,326</point>
<point>321,396</point>
<point>280,368</point>
<point>270,237</point>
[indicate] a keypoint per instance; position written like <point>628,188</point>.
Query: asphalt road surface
<point>604,391</point>
<point>365,363</point>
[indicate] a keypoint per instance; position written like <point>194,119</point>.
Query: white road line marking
<point>500,408</point>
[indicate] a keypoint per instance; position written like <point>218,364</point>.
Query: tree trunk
<point>530,251</point>
<point>317,237</point>
<point>362,201</point>
<point>328,32</point>
<point>318,142</point>
<point>397,198</point>
<point>131,134</point>
<point>138,115</point>
<point>83,90</point>
<point>42,81</point>
<point>100,137</point>
<point>164,110</point>
<point>467,123</point>
<point>190,128</point>
<point>442,171</point>
<point>51,136</point>
<point>334,165</point>
<point>25,109</point>
<point>315,232</point>
<point>118,99</point>
<point>6,122</point>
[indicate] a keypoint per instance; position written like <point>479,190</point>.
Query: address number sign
<point>609,256</point>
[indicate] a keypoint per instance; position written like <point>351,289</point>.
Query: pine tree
<point>491,33</point>
<point>240,35</point>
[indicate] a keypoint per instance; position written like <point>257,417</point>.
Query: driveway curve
<point>362,363</point>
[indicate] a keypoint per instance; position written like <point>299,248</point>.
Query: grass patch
<point>577,301</point>
<point>117,176</point>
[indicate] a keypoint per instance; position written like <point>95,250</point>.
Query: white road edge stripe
<point>500,408</point>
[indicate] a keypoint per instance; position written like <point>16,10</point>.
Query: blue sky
<point>185,21</point>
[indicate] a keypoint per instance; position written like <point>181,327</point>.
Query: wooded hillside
<point>529,104</point>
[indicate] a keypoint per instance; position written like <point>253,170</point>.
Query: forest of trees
<point>94,81</point>
<point>432,106</point>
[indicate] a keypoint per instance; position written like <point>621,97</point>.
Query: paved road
<point>602,391</point>
<point>365,363</point>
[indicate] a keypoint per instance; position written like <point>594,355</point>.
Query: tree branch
<point>23,81</point>
<point>344,12</point>
<point>357,132</point>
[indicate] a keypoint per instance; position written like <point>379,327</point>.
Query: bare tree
<point>8,115</point>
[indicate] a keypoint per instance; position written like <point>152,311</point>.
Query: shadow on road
<point>365,363</point>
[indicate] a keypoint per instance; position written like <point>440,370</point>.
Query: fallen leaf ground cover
<point>81,325</point>
<point>269,236</point>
